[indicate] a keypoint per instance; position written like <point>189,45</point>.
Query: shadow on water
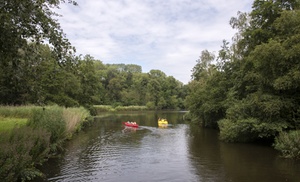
<point>108,151</point>
<point>213,160</point>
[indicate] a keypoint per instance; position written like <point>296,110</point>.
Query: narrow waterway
<point>109,152</point>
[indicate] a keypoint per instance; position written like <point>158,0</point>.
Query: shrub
<point>235,131</point>
<point>288,143</point>
<point>249,130</point>
<point>20,151</point>
<point>187,116</point>
<point>50,119</point>
<point>150,105</point>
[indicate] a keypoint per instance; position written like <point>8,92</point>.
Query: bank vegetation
<point>30,135</point>
<point>250,90</point>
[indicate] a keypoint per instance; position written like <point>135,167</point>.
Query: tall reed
<point>74,118</point>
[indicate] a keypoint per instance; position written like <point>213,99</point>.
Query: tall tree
<point>255,88</point>
<point>21,22</point>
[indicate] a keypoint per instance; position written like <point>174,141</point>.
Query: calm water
<point>110,152</point>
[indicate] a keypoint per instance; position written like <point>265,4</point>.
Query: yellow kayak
<point>162,121</point>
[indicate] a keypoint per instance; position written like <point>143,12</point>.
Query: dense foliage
<point>252,90</point>
<point>38,66</point>
<point>25,147</point>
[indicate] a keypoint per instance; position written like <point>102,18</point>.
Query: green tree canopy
<point>252,90</point>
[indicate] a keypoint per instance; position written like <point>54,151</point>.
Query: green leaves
<point>288,143</point>
<point>24,26</point>
<point>254,93</point>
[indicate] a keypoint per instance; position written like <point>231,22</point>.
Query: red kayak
<point>131,124</point>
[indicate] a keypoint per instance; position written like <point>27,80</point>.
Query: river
<point>109,152</point>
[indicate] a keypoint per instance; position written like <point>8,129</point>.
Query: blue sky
<point>168,35</point>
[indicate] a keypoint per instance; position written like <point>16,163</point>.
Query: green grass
<point>7,124</point>
<point>103,108</point>
<point>29,135</point>
<point>107,108</point>
<point>131,108</point>
<point>16,111</point>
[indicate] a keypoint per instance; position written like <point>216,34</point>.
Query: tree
<point>22,22</point>
<point>202,69</point>
<point>253,93</point>
<point>90,82</point>
<point>265,96</point>
<point>28,20</point>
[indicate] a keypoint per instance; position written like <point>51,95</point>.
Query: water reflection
<point>213,160</point>
<point>204,150</point>
<point>249,162</point>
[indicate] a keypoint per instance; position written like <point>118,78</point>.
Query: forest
<point>250,90</point>
<point>40,67</point>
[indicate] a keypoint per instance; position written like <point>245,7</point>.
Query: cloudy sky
<point>168,35</point>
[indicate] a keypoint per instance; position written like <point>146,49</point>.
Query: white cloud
<point>157,34</point>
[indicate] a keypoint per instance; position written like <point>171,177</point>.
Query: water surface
<point>109,152</point>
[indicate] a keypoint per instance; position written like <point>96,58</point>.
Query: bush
<point>187,116</point>
<point>288,144</point>
<point>235,131</point>
<point>249,130</point>
<point>150,105</point>
<point>50,119</point>
<point>20,151</point>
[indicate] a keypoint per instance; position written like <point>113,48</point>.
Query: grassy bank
<point>17,111</point>
<point>107,108</point>
<point>40,134</point>
<point>7,124</point>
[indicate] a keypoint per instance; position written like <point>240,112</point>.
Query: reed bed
<point>74,118</point>
<point>32,134</point>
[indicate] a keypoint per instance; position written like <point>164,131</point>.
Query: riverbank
<point>108,108</point>
<point>30,135</point>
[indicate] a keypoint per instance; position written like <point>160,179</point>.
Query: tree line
<point>39,66</point>
<point>250,90</point>
<point>86,81</point>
